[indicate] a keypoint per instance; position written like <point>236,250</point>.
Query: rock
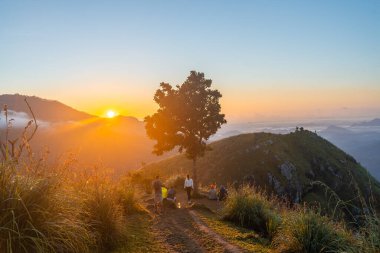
<point>287,170</point>
<point>275,183</point>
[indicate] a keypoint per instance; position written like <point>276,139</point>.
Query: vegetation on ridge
<point>286,165</point>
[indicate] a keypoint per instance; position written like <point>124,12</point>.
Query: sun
<point>111,114</point>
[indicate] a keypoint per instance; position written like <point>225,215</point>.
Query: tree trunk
<point>195,176</point>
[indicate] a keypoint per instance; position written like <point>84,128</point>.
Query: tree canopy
<point>188,115</point>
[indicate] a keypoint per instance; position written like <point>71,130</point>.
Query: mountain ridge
<point>44,109</point>
<point>285,164</point>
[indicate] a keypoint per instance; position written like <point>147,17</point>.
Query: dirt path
<point>181,230</point>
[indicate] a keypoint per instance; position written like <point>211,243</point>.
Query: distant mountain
<point>119,143</point>
<point>363,145</point>
<point>284,164</point>
<point>332,129</point>
<point>44,109</point>
<point>374,122</point>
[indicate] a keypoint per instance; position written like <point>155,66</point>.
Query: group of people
<point>213,194</point>
<point>164,196</point>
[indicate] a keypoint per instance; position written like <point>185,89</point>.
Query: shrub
<point>176,181</point>
<point>309,232</point>
<point>251,208</point>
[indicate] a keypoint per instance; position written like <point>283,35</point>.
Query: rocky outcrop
<point>287,169</point>
<point>275,183</point>
<point>293,188</point>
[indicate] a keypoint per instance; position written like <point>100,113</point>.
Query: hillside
<point>285,164</point>
<point>44,109</point>
<point>120,143</point>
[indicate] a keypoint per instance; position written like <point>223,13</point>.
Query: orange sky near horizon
<point>248,104</point>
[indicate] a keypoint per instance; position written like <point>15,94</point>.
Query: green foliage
<point>258,154</point>
<point>305,231</point>
<point>251,208</point>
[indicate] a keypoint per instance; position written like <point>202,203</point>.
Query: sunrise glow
<point>111,114</point>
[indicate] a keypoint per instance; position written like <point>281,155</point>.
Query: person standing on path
<point>188,187</point>
<point>157,186</point>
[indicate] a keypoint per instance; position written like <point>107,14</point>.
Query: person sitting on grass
<point>212,195</point>
<point>171,198</point>
<point>164,191</point>
<point>171,195</point>
<point>223,193</point>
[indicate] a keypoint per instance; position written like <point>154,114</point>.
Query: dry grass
<point>61,209</point>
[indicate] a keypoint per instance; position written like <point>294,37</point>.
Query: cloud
<point>19,120</point>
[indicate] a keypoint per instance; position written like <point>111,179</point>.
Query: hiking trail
<point>182,229</point>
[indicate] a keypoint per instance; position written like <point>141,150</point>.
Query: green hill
<point>284,164</point>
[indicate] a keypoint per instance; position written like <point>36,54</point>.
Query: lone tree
<point>188,115</point>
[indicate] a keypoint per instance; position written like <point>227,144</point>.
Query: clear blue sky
<point>269,58</point>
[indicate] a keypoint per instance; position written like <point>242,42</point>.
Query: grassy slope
<point>314,158</point>
<point>242,237</point>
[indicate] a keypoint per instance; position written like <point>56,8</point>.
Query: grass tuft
<point>306,231</point>
<point>251,208</point>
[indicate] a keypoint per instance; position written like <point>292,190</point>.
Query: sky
<point>270,59</point>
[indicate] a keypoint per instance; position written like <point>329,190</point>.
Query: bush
<point>176,181</point>
<point>309,232</point>
<point>251,208</point>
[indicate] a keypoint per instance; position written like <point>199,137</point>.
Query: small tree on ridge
<point>188,115</point>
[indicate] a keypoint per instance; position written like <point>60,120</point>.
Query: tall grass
<point>252,208</point>
<point>104,215</point>
<point>36,216</point>
<point>59,210</point>
<point>302,229</point>
<point>370,234</point>
<point>308,232</point>
<point>127,196</point>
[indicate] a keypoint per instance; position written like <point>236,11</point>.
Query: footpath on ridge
<point>182,229</point>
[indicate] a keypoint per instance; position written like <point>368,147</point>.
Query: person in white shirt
<point>188,187</point>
